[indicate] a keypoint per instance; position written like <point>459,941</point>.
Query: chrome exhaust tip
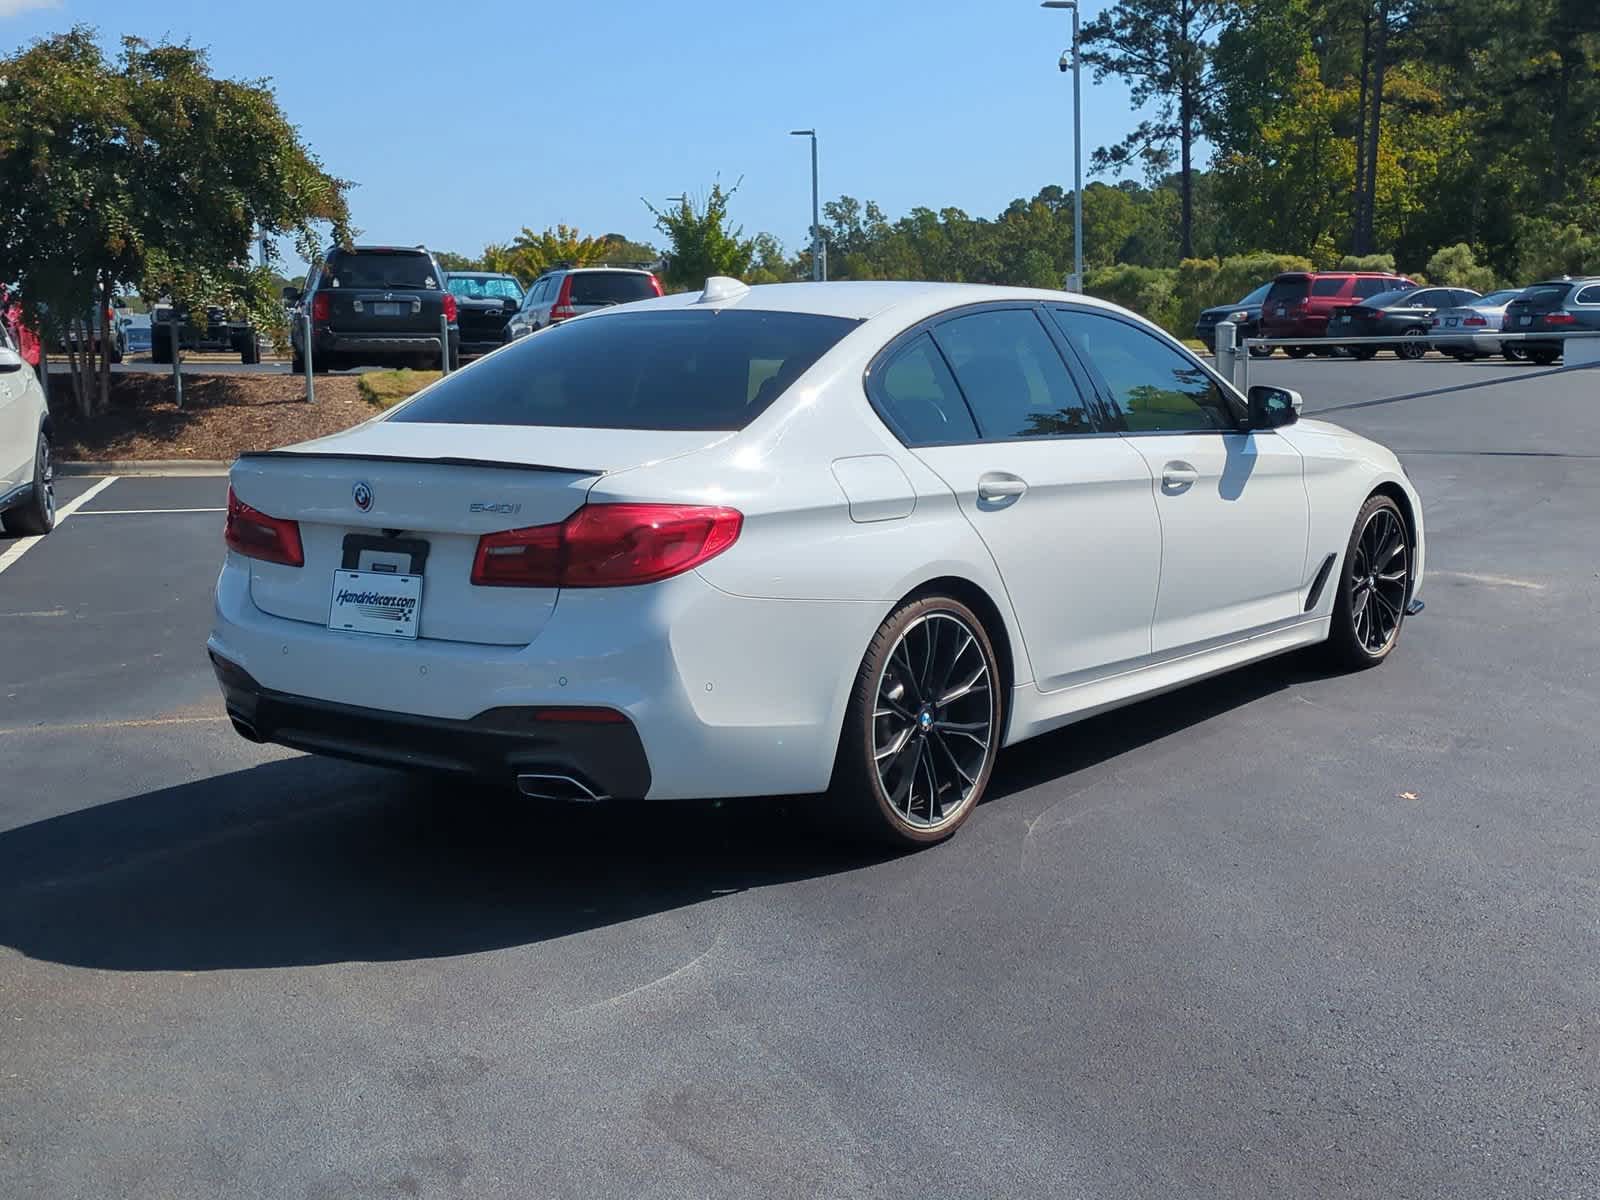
<point>538,786</point>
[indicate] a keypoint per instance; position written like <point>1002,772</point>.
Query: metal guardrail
<point>1233,356</point>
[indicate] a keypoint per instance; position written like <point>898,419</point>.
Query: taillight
<point>449,306</point>
<point>563,305</point>
<point>322,307</point>
<point>607,545</point>
<point>656,283</point>
<point>256,535</point>
<point>1474,321</point>
<point>1560,318</point>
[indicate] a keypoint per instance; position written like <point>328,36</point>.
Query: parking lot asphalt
<point>1282,933</point>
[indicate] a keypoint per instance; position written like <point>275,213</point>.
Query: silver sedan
<point>1483,319</point>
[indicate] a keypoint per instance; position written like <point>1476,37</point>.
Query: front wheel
<point>1374,587</point>
<point>36,515</point>
<point>1414,346</point>
<point>1261,351</point>
<point>1544,357</point>
<point>922,727</point>
<point>1364,353</point>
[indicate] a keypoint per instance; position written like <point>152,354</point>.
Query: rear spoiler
<point>406,458</point>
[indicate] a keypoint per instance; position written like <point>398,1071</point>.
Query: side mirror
<point>291,295</point>
<point>1273,407</point>
<point>10,360</point>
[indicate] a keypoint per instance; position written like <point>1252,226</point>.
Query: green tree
<point>1457,266</point>
<point>1164,49</point>
<point>147,172</point>
<point>699,242</point>
<point>535,253</point>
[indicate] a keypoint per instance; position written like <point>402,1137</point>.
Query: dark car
<point>1568,305</point>
<point>374,306</point>
<point>485,301</point>
<point>210,328</point>
<point>1406,314</point>
<point>1246,314</point>
<point>572,291</point>
<point>1299,303</point>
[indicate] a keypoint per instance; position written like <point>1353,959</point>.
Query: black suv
<point>486,300</point>
<point>373,306</point>
<point>1569,305</point>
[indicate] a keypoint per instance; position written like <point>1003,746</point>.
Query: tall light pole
<point>817,273</point>
<point>1077,143</point>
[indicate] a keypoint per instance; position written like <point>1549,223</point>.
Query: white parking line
<point>142,512</point>
<point>23,545</point>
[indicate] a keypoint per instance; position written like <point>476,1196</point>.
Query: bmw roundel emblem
<point>362,495</point>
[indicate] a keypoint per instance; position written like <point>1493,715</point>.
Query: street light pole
<point>817,272</point>
<point>1077,144</point>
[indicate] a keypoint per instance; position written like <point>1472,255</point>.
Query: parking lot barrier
<point>1585,353</point>
<point>444,344</point>
<point>311,387</point>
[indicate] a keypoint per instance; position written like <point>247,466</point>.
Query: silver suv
<point>571,291</point>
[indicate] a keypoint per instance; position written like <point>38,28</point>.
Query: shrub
<point>1368,262</point>
<point>1148,291</point>
<point>1457,266</point>
<point>1546,249</point>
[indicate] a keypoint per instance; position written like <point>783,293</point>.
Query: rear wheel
<point>1364,353</point>
<point>250,355</point>
<point>1513,352</point>
<point>922,728</point>
<point>1373,587</point>
<point>1544,357</point>
<point>1297,351</point>
<point>1261,351</point>
<point>36,514</point>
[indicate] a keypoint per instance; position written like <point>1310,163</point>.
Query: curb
<point>145,466</point>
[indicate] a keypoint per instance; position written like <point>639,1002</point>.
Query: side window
<point>920,397</point>
<point>1589,295</point>
<point>1012,375</point>
<point>1367,288</point>
<point>1461,296</point>
<point>1328,287</point>
<point>1153,386</point>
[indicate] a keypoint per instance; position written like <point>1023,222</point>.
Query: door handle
<point>1178,476</point>
<point>997,487</point>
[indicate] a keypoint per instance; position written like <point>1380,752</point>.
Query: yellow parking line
<point>79,726</point>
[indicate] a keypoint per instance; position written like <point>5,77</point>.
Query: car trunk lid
<point>413,499</point>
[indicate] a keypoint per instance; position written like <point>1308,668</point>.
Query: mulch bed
<point>222,416</point>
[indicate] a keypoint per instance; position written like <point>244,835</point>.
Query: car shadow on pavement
<point>303,860</point>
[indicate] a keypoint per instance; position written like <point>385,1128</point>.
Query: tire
<point>161,350</point>
<point>1513,352</point>
<point>1414,347</point>
<point>1364,353</point>
<point>36,515</point>
<point>897,737</point>
<point>1372,590</point>
<point>251,354</point>
<point>297,362</point>
<point>1544,357</point>
<point>1297,351</point>
<point>1261,351</point>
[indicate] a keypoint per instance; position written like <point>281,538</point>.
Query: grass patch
<point>388,388</point>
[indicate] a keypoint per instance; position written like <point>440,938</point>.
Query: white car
<point>27,482</point>
<point>849,538</point>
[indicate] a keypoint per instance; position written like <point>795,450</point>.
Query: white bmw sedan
<point>846,538</point>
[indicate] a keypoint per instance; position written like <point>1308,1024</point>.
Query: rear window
<point>1327,287</point>
<point>611,287</point>
<point>663,369</point>
<point>1288,290</point>
<point>1493,299</point>
<point>1546,295</point>
<point>477,287</point>
<point>1385,299</point>
<point>380,269</point>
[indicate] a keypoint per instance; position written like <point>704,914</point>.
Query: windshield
<point>662,369</point>
<point>484,287</point>
<point>611,287</point>
<point>380,269</point>
<point>1494,299</point>
<point>1255,297</point>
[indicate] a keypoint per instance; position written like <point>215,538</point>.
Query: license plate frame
<point>1452,322</point>
<point>388,308</point>
<point>1524,320</point>
<point>375,603</point>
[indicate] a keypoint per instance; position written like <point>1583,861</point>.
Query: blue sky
<point>461,122</point>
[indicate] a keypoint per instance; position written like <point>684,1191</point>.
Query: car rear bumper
<point>720,703</point>
<point>1306,327</point>
<point>382,345</point>
<point>602,759</point>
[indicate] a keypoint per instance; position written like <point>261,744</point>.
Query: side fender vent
<point>1319,582</point>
